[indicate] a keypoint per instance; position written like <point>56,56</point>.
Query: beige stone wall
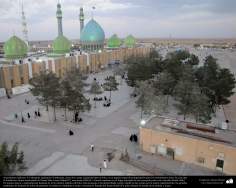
<point>64,64</point>
<point>190,149</point>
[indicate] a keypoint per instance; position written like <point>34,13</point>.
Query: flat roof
<point>192,130</point>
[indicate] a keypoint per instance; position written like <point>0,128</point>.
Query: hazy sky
<point>142,18</point>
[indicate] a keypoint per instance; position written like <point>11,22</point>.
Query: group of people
<point>107,103</point>
<point>133,138</point>
<point>36,114</point>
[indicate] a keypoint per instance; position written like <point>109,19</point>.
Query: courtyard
<point>49,150</point>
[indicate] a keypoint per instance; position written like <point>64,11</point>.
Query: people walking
<point>28,114</point>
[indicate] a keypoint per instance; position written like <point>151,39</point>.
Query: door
<point>219,164</point>
<point>170,153</point>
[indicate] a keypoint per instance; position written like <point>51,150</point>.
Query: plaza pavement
<point>49,150</point>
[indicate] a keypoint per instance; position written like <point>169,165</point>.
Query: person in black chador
<point>35,114</point>
<point>16,116</point>
<point>28,114</point>
<point>131,138</point>
<point>22,120</point>
<point>71,132</point>
<point>76,116</point>
<point>39,114</point>
<point>135,138</point>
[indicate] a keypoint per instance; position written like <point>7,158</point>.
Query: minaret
<point>59,19</point>
<point>24,25</point>
<point>81,19</point>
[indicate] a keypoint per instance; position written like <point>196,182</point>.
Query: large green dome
<point>92,33</point>
<point>61,45</point>
<point>130,41</point>
<point>114,42</point>
<point>15,48</point>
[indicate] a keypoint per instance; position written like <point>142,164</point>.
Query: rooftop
<point>193,130</point>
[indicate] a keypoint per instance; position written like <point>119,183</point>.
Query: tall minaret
<point>24,25</point>
<point>59,19</point>
<point>81,19</point>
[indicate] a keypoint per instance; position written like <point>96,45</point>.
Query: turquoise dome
<point>92,33</point>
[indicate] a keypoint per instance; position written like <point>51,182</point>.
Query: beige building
<point>201,145</point>
<point>18,74</point>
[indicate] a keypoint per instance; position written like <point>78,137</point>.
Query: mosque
<point>94,52</point>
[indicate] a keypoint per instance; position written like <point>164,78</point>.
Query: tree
<point>110,84</point>
<point>149,101</point>
<point>95,89</point>
<point>200,107</point>
<point>184,94</point>
<point>71,92</point>
<point>66,95</point>
<point>80,103</point>
<point>46,87</point>
<point>164,83</point>
<point>217,83</point>
<point>143,68</point>
<point>11,161</point>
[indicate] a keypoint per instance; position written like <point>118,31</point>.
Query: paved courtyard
<point>49,150</point>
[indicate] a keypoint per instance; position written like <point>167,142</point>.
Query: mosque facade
<point>19,65</point>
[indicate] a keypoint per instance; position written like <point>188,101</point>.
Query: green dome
<point>61,45</point>
<point>114,42</point>
<point>92,33</point>
<point>15,48</point>
<point>130,41</point>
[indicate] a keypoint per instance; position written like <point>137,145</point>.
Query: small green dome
<point>130,41</point>
<point>92,33</point>
<point>61,45</point>
<point>15,48</point>
<point>114,42</point>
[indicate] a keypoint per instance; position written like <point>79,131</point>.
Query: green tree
<point>71,92</point>
<point>46,87</point>
<point>200,107</point>
<point>143,68</point>
<point>149,101</point>
<point>217,83</point>
<point>66,95</point>
<point>95,89</point>
<point>79,104</point>
<point>164,83</point>
<point>184,94</point>
<point>11,161</point>
<point>110,84</point>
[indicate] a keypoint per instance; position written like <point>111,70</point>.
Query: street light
<point>143,122</point>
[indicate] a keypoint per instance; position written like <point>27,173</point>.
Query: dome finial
<point>93,8</point>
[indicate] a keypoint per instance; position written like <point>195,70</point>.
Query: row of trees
<point>68,92</point>
<point>198,90</point>
<point>11,160</point>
